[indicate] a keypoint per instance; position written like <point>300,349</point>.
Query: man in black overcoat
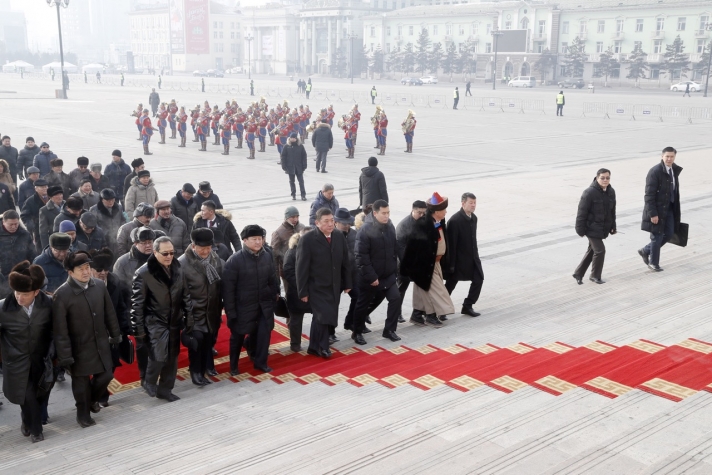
<point>596,219</point>
<point>463,255</point>
<point>294,162</point>
<point>25,338</point>
<point>250,289</point>
<point>403,230</point>
<point>160,308</point>
<point>661,215</point>
<point>85,326</point>
<point>323,272</point>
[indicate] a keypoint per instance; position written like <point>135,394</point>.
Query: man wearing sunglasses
<point>596,219</point>
<point>160,307</point>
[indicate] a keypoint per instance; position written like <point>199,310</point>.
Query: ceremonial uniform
<point>250,130</point>
<point>146,132</point>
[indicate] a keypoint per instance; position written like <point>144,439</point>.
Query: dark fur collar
<point>156,270</point>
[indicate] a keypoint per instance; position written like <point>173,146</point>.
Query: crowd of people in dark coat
<point>85,291</point>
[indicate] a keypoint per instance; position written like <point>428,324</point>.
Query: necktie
<point>672,186</point>
<point>328,239</point>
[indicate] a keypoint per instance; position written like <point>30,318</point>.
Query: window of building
<point>371,47</point>
<point>657,46</point>
<point>215,25</point>
<point>475,29</point>
<point>233,48</point>
<point>220,35</point>
<point>582,26</point>
<point>637,45</point>
<point>375,3</point>
<point>617,47</point>
<point>619,26</point>
<point>373,31</point>
<point>448,30</point>
<point>410,31</point>
<point>400,31</point>
<point>564,46</point>
<point>540,48</point>
<point>489,28</point>
<point>232,35</point>
<point>388,31</point>
<point>232,25</point>
<point>599,46</point>
<point>681,23</point>
<point>701,44</point>
<point>601,26</point>
<point>435,30</point>
<point>565,28</point>
<point>507,25</point>
<point>220,25</point>
<point>639,25</point>
<point>488,47</point>
<point>542,28</point>
<point>660,24</point>
<point>215,35</point>
<point>704,19</point>
<point>395,5</point>
<point>461,29</point>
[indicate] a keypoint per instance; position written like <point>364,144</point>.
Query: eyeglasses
<point>604,177</point>
<point>167,253</point>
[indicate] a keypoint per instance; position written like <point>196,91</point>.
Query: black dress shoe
<point>579,280</point>
<point>417,319</point>
<point>332,339</point>
<point>197,379</point>
<point>655,268</point>
<point>234,372</point>
<point>264,369</point>
<point>151,389</point>
<point>432,320</point>
<point>401,319</point>
<point>646,258</point>
<point>596,281</point>
<point>104,403</point>
<point>215,352</point>
<point>212,372</point>
<point>95,407</point>
<point>313,352</point>
<point>206,380</point>
<point>469,311</point>
<point>295,348</point>
<point>366,330</point>
<point>326,354</point>
<point>37,438</point>
<point>358,338</point>
<point>391,335</point>
<point>84,423</point>
<point>368,320</point>
<point>25,431</point>
<point>442,318</point>
<point>60,377</point>
<point>169,396</point>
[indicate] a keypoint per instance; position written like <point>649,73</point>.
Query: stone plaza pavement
<point>528,172</point>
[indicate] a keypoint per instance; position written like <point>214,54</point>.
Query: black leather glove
<point>115,340</point>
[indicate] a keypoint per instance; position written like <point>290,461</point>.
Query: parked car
<point>215,73</point>
<point>682,86</point>
<point>572,82</point>
<point>199,73</point>
<point>429,80</point>
<point>522,81</point>
<point>235,70</point>
<point>412,81</point>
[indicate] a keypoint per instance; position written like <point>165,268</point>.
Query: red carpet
<point>675,372</point>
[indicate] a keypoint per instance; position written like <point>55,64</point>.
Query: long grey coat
<point>323,271</point>
<point>207,298</point>
<point>24,342</point>
<point>47,215</point>
<point>83,322</point>
<point>176,230</point>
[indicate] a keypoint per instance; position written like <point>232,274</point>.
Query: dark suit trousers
<point>367,295</point>
<point>88,390</point>
<point>198,359</point>
<point>163,373</point>
<point>319,336</point>
<point>256,344</point>
<point>292,185</point>
<point>595,254</point>
<point>321,160</point>
<point>296,319</point>
<point>34,404</point>
<point>658,240</point>
<point>142,349</point>
<point>473,295</point>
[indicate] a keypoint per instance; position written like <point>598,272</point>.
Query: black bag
<point>189,340</point>
<point>49,374</point>
<point>680,237</point>
<point>280,308</point>
<point>127,351</point>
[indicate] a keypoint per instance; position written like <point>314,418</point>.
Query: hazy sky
<point>41,22</point>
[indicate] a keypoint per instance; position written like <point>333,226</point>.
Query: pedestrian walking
<point>322,141</point>
<point>220,222</point>
<point>154,100</point>
<point>85,326</point>
<point>142,215</point>
<point>250,289</point>
<point>596,219</point>
<point>142,190</point>
<point>98,77</point>
<point>116,172</point>
<point>252,87</point>
<point>202,84</point>
<point>160,308</point>
<point>408,127</point>
<point>422,262</point>
<point>687,90</point>
<point>295,306</point>
<point>377,253</point>
<point>281,236</point>
<point>205,193</point>
<point>324,199</point>
<point>323,272</point>
<point>403,231</point>
<point>294,162</point>
<point>661,215</point>
<point>13,167</point>
<point>184,206</point>
<point>26,156</point>
<point>467,88</point>
<point>25,341</point>
<point>455,98</point>
<point>173,226</point>
<point>85,77</point>
<point>42,160</point>
<point>47,215</point>
<point>76,175</point>
<point>463,254</point>
<point>203,275</point>
<point>160,81</point>
<point>15,242</point>
<point>374,93</point>
<point>371,184</point>
<point>122,79</point>
<point>109,217</point>
<point>560,103</point>
<point>57,177</point>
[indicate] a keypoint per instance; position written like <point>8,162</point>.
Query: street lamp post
<point>708,27</point>
<point>249,38</point>
<point>64,4</point>
<point>495,35</point>
<point>351,41</point>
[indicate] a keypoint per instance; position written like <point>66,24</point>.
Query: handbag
<point>280,308</point>
<point>127,351</point>
<point>49,374</point>
<point>189,340</point>
<point>680,237</point>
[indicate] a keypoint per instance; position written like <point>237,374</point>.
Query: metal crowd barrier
<point>647,111</point>
<point>437,101</point>
<point>529,105</point>
<point>700,113</point>
<point>512,105</point>
<point>595,109</point>
<point>492,104</point>
<point>620,110</point>
<point>674,112</point>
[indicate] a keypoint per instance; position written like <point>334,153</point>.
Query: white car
<point>429,80</point>
<point>681,86</point>
<point>235,70</point>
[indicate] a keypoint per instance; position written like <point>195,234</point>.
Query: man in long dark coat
<point>85,326</point>
<point>160,307</point>
<point>25,338</point>
<point>250,289</point>
<point>463,255</point>
<point>323,272</point>
<point>203,274</point>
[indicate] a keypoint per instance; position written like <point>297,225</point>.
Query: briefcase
<point>680,237</point>
<point>127,350</point>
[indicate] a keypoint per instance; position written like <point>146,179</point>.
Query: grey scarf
<point>210,270</point>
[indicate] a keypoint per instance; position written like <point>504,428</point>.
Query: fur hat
<point>108,194</point>
<point>204,186</point>
<point>57,162</point>
<point>74,203</point>
<point>437,202</point>
<point>96,167</point>
<point>60,241</point>
<point>144,209</point>
<point>144,234</point>
<point>143,173</point>
<point>134,164</point>
<point>83,161</point>
<point>76,259</point>
<point>26,277</point>
<point>251,230</point>
<point>101,259</point>
<point>116,153</point>
<point>202,237</point>
<point>55,190</point>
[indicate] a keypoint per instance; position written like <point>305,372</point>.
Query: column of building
<point>312,57</point>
